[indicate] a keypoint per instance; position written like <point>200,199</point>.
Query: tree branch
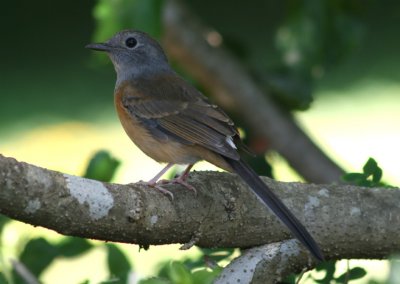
<point>347,221</point>
<point>266,264</point>
<point>223,76</point>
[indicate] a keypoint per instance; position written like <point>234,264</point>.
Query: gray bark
<point>347,221</point>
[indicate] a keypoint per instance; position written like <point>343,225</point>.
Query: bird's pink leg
<point>160,174</point>
<point>182,179</point>
<point>185,174</point>
<point>154,180</point>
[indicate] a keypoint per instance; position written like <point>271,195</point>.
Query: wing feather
<point>180,113</point>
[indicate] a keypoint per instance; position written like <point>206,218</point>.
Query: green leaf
<point>118,264</point>
<point>357,273</point>
<point>3,221</point>
<point>3,279</point>
<point>37,255</point>
<point>112,16</point>
<point>370,167</point>
<point>71,247</point>
<point>329,267</point>
<point>353,274</point>
<point>205,276</point>
<point>155,280</point>
<point>163,269</point>
<point>179,274</point>
<point>291,279</point>
<point>146,16</point>
<point>354,178</point>
<point>102,166</point>
<point>218,254</point>
<point>290,90</point>
<point>377,176</point>
<point>209,258</point>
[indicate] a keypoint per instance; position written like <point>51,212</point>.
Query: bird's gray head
<point>134,54</point>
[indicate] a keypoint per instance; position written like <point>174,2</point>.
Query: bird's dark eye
<point>131,42</point>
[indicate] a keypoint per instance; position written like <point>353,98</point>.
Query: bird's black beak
<point>99,46</point>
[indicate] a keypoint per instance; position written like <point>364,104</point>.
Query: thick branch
<point>223,75</point>
<point>347,221</point>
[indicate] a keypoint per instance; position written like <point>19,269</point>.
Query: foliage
<point>285,60</point>
<point>329,269</point>
<point>38,253</point>
<point>118,264</point>
<point>112,16</point>
<point>304,42</point>
<point>67,247</point>
<point>308,38</point>
<point>288,45</point>
<point>200,271</point>
<point>101,166</point>
<point>370,176</point>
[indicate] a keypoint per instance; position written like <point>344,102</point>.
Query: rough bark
<point>265,264</point>
<point>347,221</point>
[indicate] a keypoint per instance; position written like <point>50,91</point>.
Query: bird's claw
<point>158,187</point>
<point>180,181</point>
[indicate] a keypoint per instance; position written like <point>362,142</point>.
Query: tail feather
<point>276,205</point>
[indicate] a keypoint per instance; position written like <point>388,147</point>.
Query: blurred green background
<point>336,60</point>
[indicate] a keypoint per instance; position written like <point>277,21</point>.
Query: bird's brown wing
<point>172,109</point>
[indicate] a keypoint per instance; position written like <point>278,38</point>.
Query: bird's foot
<point>179,180</point>
<point>158,187</point>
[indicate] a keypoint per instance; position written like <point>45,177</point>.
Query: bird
<point>174,123</point>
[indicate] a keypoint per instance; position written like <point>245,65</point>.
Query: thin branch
<point>265,264</point>
<point>225,78</point>
<point>24,272</point>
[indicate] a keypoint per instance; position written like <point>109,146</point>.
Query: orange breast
<point>161,151</point>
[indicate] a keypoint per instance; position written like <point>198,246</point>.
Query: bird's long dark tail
<point>276,205</point>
